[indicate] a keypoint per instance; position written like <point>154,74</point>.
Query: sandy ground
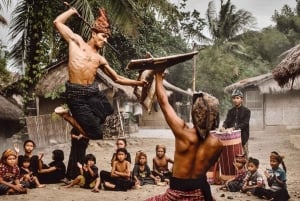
<point>260,145</point>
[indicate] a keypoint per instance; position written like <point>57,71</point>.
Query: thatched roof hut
<point>8,110</point>
<point>265,83</point>
<point>288,69</point>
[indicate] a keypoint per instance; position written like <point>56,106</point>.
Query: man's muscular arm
<point>176,124</point>
<point>118,78</point>
<point>60,21</point>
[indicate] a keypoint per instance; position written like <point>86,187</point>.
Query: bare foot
<point>95,190</point>
<point>61,110</point>
<point>41,186</point>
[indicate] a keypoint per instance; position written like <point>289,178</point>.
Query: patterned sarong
<point>176,195</point>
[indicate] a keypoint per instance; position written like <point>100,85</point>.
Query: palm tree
<point>4,3</point>
<point>228,23</point>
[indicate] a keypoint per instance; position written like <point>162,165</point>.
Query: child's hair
<point>89,157</point>
<point>279,158</point>
<point>121,150</point>
<point>254,161</point>
<point>140,155</point>
<point>160,146</point>
<point>27,141</point>
<point>26,159</point>
<point>58,155</point>
<point>122,139</point>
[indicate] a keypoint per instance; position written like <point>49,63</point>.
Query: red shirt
<point>8,173</point>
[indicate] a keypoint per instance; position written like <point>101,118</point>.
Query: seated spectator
<point>236,183</point>
<point>27,176</point>
<point>119,178</point>
<point>253,178</point>
<point>141,172</point>
<point>55,171</point>
<point>10,174</point>
<point>276,178</point>
<point>160,164</point>
<point>121,143</point>
<point>88,174</point>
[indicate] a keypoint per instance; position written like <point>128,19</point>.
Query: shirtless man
<point>195,149</point>
<point>88,105</point>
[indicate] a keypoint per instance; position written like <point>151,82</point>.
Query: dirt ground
<point>260,146</point>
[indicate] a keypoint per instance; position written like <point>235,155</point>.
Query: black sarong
<point>89,106</point>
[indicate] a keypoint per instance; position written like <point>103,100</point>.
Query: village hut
<point>10,117</point>
<point>271,106</point>
<point>287,71</point>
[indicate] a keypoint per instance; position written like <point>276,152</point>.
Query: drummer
<point>238,118</point>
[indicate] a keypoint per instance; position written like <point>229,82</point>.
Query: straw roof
<point>8,110</point>
<point>288,69</point>
<point>265,83</point>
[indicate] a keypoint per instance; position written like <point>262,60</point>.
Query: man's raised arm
<point>175,123</point>
<point>63,29</point>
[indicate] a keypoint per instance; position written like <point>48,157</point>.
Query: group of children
<point>249,180</point>
<point>19,172</point>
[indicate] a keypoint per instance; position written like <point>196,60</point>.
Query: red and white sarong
<point>176,195</point>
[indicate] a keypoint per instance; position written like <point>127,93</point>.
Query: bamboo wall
<point>43,129</point>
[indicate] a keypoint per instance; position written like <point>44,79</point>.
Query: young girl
<point>55,171</point>
<point>160,164</point>
<point>119,178</point>
<point>276,178</point>
<point>10,174</point>
<point>235,184</point>
<point>88,174</point>
<point>121,143</point>
<point>141,172</point>
<point>253,178</point>
<point>27,174</point>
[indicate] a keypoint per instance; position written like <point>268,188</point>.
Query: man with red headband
<point>89,106</point>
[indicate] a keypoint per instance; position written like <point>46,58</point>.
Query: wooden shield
<point>159,63</point>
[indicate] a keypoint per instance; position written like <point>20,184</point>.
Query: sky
<point>262,10</point>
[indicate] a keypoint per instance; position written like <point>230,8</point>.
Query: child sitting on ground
<point>141,172</point>
<point>119,178</point>
<point>88,174</point>
<point>160,164</point>
<point>276,178</point>
<point>253,178</point>
<point>27,175</point>
<point>10,174</point>
<point>236,183</point>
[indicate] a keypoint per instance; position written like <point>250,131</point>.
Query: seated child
<point>10,174</point>
<point>88,174</point>
<point>160,164</point>
<point>121,143</point>
<point>253,178</point>
<point>141,171</point>
<point>235,184</point>
<point>55,171</point>
<point>276,178</point>
<point>119,178</point>
<point>27,176</point>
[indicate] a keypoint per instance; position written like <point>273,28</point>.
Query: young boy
<point>253,178</point>
<point>160,164</point>
<point>119,178</point>
<point>10,174</point>
<point>27,174</point>
<point>88,174</point>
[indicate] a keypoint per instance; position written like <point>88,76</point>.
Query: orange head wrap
<point>6,154</point>
<point>101,24</point>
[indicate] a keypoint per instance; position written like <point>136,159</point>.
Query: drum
<point>232,146</point>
